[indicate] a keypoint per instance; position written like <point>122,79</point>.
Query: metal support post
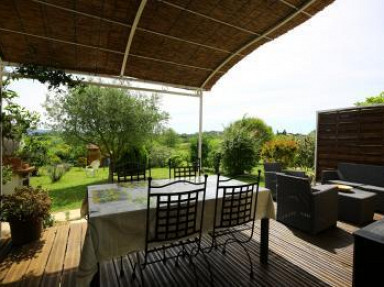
<point>1,130</point>
<point>200,151</point>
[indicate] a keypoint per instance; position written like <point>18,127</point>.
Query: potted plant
<point>25,210</point>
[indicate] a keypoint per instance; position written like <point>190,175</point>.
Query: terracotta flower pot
<point>23,232</point>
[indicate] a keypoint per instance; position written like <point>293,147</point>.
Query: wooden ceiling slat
<point>95,43</point>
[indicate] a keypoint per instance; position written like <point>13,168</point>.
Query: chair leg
<point>249,258</point>
<point>121,267</point>
<point>133,276</point>
<point>164,257</point>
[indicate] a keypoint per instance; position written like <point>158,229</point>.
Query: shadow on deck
<point>295,259</point>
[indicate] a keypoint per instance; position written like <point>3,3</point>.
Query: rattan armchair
<point>310,209</point>
<point>270,170</point>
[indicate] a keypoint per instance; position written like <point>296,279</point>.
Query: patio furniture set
<point>351,193</point>
<point>165,219</point>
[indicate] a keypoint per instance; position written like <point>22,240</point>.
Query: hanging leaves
<point>55,78</point>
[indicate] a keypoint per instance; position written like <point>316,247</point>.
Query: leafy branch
<point>46,75</point>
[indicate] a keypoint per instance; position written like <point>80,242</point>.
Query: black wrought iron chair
<point>191,170</point>
<point>235,212</point>
<point>131,171</point>
<point>175,221</point>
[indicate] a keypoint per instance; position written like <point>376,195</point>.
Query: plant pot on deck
<point>23,232</point>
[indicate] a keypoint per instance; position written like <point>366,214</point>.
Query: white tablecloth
<point>117,216</point>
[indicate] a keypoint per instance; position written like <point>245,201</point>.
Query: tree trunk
<point>111,168</point>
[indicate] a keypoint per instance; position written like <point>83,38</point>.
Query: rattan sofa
<point>361,176</point>
<point>309,209</point>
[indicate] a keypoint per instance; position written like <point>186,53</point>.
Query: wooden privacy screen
<point>354,135</point>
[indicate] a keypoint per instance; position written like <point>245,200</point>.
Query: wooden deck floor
<point>295,259</point>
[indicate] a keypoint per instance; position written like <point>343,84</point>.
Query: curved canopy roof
<point>190,43</point>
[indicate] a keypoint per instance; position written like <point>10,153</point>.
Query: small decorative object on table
<point>345,188</point>
<point>25,211</point>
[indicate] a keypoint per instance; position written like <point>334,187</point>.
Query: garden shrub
<point>239,154</point>
<point>306,151</point>
<point>179,158</point>
<point>133,155</point>
<point>242,142</point>
<point>82,161</point>
<point>282,150</point>
<point>159,155</point>
<point>56,172</point>
<point>194,150</point>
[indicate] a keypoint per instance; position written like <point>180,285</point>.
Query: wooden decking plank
<point>314,266</point>
<point>184,270</point>
<point>5,246</point>
<point>308,244</point>
<point>35,271</point>
<point>22,259</point>
<point>108,274</point>
<point>296,259</point>
<point>159,271</point>
<point>311,261</point>
<point>54,268</point>
<point>125,280</point>
<point>148,276</point>
<point>72,255</point>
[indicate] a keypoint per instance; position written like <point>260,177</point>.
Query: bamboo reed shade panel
<point>354,135</point>
<point>181,42</point>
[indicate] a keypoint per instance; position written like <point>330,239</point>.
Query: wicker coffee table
<point>356,206</point>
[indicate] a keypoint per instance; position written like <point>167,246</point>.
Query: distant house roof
<point>191,43</point>
<point>92,147</point>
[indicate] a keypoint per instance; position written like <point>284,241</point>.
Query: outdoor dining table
<point>117,216</point>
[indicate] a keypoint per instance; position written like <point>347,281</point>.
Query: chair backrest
<point>185,171</point>
<point>238,201</point>
<point>179,210</point>
<point>130,171</point>
<point>294,195</point>
<point>292,184</point>
<point>191,170</point>
<point>272,166</point>
<point>362,173</point>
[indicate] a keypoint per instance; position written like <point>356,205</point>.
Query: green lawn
<point>69,191</point>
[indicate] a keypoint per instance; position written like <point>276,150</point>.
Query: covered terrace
<point>169,47</point>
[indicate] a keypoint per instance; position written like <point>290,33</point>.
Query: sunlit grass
<point>70,190</point>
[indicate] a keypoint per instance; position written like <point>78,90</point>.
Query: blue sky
<point>331,61</point>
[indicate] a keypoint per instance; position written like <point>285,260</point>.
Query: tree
<point>15,119</point>
<point>306,151</point>
<point>169,138</point>
<point>379,99</point>
<point>194,150</point>
<point>281,149</point>
<point>35,150</point>
<point>242,143</point>
<point>112,119</point>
